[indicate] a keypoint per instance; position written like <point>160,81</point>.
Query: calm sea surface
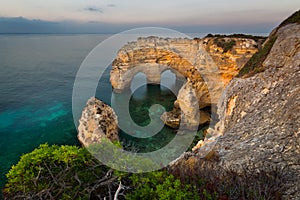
<point>37,73</point>
<point>36,80</point>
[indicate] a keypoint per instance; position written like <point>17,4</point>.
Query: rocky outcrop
<point>260,116</point>
<point>205,66</point>
<point>98,120</point>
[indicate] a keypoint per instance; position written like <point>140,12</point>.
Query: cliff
<point>172,53</point>
<point>205,65</point>
<point>230,54</point>
<point>259,114</point>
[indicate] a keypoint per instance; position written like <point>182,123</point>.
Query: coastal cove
<point>155,100</point>
<point>37,76</point>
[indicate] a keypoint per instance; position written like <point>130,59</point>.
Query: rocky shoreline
<point>186,58</point>
<point>258,113</point>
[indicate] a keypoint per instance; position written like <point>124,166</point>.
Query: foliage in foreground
<point>69,172</point>
<point>160,185</point>
<point>222,183</point>
<point>53,172</point>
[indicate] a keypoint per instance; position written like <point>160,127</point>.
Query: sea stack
<point>98,120</point>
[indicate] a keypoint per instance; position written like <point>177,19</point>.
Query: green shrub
<point>69,172</point>
<point>56,172</point>
<point>115,157</point>
<point>160,185</point>
<point>225,45</point>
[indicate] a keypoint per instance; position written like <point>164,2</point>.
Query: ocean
<point>37,74</point>
<point>36,79</point>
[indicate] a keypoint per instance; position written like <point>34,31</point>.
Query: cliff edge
<point>260,114</point>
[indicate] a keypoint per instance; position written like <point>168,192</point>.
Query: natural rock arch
<point>153,62</point>
<point>193,59</point>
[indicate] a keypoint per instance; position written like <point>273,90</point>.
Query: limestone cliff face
<point>182,55</point>
<point>206,67</point>
<point>260,115</point>
<point>98,120</point>
<point>230,62</point>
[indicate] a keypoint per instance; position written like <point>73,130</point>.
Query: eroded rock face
<point>205,67</point>
<point>260,116</point>
<point>98,120</point>
<point>185,56</point>
<point>264,124</point>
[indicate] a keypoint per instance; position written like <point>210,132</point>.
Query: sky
<point>113,15</point>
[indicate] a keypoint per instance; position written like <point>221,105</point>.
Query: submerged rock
<point>98,120</point>
<point>172,118</point>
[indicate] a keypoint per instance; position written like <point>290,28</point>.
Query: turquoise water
<point>37,73</point>
<point>140,103</point>
<point>36,80</point>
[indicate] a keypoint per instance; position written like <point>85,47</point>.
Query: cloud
<point>93,9</point>
<point>111,5</point>
<point>23,25</point>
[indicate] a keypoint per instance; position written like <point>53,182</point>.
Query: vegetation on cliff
<point>225,45</point>
<point>69,172</point>
<point>255,64</point>
<point>294,18</point>
<point>57,172</point>
<point>238,35</point>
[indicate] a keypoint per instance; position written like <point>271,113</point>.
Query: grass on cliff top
<point>219,40</point>
<point>238,35</point>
